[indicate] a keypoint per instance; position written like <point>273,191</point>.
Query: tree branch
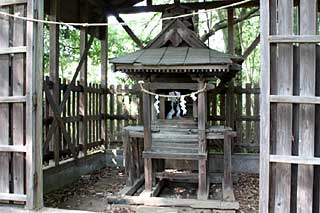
<point>223,24</point>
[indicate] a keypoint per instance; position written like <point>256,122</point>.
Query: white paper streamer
<point>183,105</point>
<point>193,96</point>
<point>156,104</point>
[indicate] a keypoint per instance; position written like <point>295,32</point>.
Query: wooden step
<point>174,155</point>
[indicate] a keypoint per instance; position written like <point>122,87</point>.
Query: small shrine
<point>175,71</point>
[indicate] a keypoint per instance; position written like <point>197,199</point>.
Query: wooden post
<point>104,85</point>
<point>84,81</point>
<point>227,185</point>
<point>230,32</point>
<point>38,175</point>
<point>284,86</point>
<point>33,144</point>
<point>54,69</point>
<point>265,108</point>
<point>316,203</point>
<point>147,141</point>
<point>202,118</point>
<point>308,26</point>
<point>4,108</point>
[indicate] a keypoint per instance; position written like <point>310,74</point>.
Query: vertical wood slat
<point>83,96</point>
<point>316,203</point>
<point>126,105</point>
<point>272,77</point>
<point>239,116</point>
<point>18,109</point>
<point>284,117</point>
<point>202,118</point>
<point>4,108</point>
<point>265,108</point>
<point>308,26</point>
<point>54,69</point>
<point>104,85</point>
<point>256,129</point>
<point>112,90</point>
<point>147,140</point>
<point>248,113</point>
<point>119,111</point>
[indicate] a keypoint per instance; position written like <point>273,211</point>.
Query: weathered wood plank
<point>4,108</point>
<point>284,120</point>
<point>308,26</point>
<point>227,185</point>
<point>18,109</point>
<point>147,140</point>
<point>54,68</point>
<point>84,83</point>
<point>159,201</point>
<point>104,84</point>
<point>264,182</point>
<point>202,119</point>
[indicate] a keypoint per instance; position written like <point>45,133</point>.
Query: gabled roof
<point>176,34</point>
<point>176,49</point>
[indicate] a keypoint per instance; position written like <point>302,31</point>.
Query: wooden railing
<point>236,107</point>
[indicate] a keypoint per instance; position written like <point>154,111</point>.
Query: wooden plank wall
<point>122,106</point>
<point>19,146</point>
<point>289,158</point>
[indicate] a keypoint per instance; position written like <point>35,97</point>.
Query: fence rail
<point>234,106</point>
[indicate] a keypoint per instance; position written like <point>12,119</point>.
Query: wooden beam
<point>252,46</point>
<point>54,55</point>
<point>294,99</point>
<point>288,159</point>
<point>15,148</point>
<point>294,39</point>
<point>147,140</point>
<point>264,183</point>
<point>192,6</point>
<point>4,3</point>
<point>160,201</point>
<point>104,83</point>
<point>13,197</point>
<point>13,50</point>
<point>13,99</point>
<point>129,31</point>
<point>230,31</point>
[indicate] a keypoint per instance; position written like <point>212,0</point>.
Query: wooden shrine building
<point>177,62</point>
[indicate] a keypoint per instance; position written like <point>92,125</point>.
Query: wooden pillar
<point>54,69</point>
<point>230,31</point>
<point>83,80</point>
<point>308,26</point>
<point>202,118</point>
<point>104,84</point>
<point>227,185</point>
<point>38,177</point>
<point>147,141</point>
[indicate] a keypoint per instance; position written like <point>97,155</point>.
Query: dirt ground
<point>90,192</point>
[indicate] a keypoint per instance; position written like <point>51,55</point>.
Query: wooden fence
<point>236,107</point>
